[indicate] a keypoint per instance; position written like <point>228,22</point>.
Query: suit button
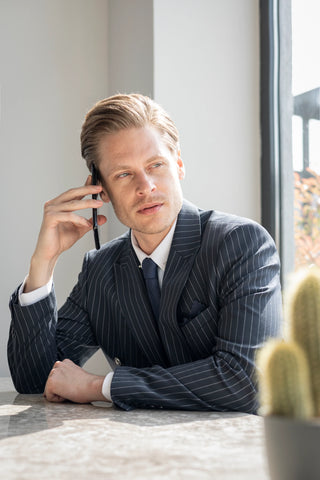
<point>117,361</point>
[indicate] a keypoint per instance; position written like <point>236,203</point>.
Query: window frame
<point>276,107</point>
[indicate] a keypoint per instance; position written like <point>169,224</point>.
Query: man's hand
<point>61,228</point>
<point>68,381</point>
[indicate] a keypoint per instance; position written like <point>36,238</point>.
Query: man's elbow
<point>24,386</point>
<point>246,398</point>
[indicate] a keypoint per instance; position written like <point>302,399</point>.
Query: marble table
<point>66,441</point>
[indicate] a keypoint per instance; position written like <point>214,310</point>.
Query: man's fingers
<point>70,217</point>
<point>101,220</point>
<point>72,206</point>
<point>50,385</point>
<point>67,361</point>
<point>76,193</point>
<point>53,397</point>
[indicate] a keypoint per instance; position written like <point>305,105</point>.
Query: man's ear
<point>104,195</point>
<point>180,166</point>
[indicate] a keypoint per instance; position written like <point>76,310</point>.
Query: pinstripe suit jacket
<point>220,300</point>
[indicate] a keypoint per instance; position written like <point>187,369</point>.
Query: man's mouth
<point>150,209</point>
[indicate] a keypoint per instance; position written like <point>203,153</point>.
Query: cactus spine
<point>289,371</point>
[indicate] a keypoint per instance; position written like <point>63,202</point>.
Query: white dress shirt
<point>159,256</point>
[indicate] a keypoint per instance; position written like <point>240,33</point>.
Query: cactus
<point>289,371</point>
<point>285,383</point>
<point>304,326</point>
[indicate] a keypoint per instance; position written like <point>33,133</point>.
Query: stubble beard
<point>152,229</point>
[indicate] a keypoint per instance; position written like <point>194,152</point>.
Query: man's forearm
<point>40,273</point>
<point>32,344</point>
<point>217,383</point>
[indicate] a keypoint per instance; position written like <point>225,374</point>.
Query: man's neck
<point>160,254</point>
<point>149,242</point>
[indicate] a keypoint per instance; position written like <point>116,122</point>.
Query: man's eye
<point>123,175</point>
<point>158,164</point>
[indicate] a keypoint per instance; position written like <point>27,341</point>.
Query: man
<point>218,276</point>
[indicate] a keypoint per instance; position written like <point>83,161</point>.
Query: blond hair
<point>121,112</point>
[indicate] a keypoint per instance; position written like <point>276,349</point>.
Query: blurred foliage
<point>307,218</point>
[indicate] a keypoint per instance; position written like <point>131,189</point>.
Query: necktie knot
<point>149,268</point>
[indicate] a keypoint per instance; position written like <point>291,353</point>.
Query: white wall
<point>130,60</point>
<point>53,67</point>
<point>206,74</point>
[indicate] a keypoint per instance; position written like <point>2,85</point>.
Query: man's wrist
<point>40,274</point>
<point>96,389</point>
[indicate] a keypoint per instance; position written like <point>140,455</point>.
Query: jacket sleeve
<point>246,274</point>
<point>37,339</point>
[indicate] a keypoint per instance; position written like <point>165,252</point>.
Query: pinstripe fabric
<point>220,301</point>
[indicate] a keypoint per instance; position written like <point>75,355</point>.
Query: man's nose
<point>145,184</point>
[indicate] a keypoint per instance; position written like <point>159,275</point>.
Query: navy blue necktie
<point>150,273</point>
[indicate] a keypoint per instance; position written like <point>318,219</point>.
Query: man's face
<point>142,181</point>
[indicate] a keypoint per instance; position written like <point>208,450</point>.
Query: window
<point>290,125</point>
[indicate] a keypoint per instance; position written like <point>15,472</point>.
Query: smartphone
<point>94,174</point>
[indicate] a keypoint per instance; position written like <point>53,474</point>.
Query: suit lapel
<point>185,245</point>
<point>136,307</point>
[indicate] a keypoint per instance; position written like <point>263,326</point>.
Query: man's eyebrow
<point>120,167</point>
<point>155,157</point>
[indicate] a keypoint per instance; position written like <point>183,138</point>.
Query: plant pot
<point>293,448</point>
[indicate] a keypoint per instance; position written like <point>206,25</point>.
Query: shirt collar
<point>160,254</point>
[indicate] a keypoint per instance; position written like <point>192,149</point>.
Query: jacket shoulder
<point>109,251</point>
<point>226,223</point>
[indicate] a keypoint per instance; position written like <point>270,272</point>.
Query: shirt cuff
<point>106,386</point>
<point>26,299</point>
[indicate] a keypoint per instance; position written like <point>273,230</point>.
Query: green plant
<point>289,371</point>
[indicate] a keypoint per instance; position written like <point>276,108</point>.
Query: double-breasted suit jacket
<point>220,301</point>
